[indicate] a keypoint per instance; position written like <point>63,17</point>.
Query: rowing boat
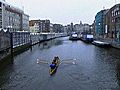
<point>52,71</point>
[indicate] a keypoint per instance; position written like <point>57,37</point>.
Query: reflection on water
<point>7,61</point>
<point>49,44</point>
<point>118,74</point>
<point>96,69</point>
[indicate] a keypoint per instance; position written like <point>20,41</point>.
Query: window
<point>112,20</point>
<point>112,14</point>
<point>118,12</point>
<point>117,8</point>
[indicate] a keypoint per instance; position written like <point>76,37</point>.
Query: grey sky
<point>63,11</point>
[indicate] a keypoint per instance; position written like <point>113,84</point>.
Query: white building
<point>12,18</point>
<point>86,28</point>
<point>81,27</point>
<point>25,22</point>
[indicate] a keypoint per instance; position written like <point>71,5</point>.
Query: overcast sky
<point>63,11</point>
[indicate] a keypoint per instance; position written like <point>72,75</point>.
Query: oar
<point>69,59</point>
<point>69,62</point>
<point>41,61</point>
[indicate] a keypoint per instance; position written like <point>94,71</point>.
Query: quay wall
<point>12,43</point>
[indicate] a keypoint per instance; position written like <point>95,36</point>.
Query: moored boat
<point>74,36</point>
<point>100,43</point>
<point>88,38</point>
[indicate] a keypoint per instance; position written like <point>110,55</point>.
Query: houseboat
<point>87,38</point>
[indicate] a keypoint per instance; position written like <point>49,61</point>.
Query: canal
<point>95,69</point>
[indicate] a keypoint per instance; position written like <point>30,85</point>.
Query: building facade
<point>115,22</point>
<point>107,25</point>
<point>100,23</point>
<point>86,28</point>
<point>80,28</point>
<point>44,25</point>
<point>39,26</point>
<point>58,28</point>
<point>25,22</point>
<point>12,18</point>
<point>34,26</point>
<point>112,23</point>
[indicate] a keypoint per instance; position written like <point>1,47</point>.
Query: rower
<point>53,65</point>
<point>55,60</point>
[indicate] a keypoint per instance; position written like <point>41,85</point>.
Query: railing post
<point>11,42</point>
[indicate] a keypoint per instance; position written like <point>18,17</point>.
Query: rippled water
<point>95,69</point>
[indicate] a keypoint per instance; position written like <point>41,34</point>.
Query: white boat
<point>100,43</point>
<point>73,37</point>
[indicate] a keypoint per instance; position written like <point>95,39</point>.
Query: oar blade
<point>69,61</point>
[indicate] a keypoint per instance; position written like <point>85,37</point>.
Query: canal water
<point>95,68</point>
